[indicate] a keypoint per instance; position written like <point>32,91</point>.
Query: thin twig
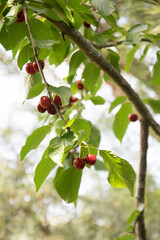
<point>114,44</point>
<point>39,66</point>
<point>140,229</point>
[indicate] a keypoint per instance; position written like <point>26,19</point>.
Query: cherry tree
<point>87,35</point>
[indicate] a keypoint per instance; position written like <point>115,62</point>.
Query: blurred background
<point>102,211</point>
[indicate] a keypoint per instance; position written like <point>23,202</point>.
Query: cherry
<point>73,99</point>
<point>40,108</point>
<point>57,100</point>
<point>35,65</point>
<point>133,117</point>
<point>79,163</point>
<point>86,25</point>
<point>51,110</point>
<point>90,159</point>
<point>45,102</point>
<point>20,17</point>
<point>29,69</point>
<point>80,85</point>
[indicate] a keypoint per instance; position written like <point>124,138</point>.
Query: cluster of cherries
<point>79,162</point>
<point>45,104</point>
<point>32,68</point>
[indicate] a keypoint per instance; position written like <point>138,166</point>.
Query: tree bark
<point>140,230</point>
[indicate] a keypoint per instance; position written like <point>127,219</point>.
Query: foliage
<point>76,136</point>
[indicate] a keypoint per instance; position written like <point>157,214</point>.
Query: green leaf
<point>59,145</point>
<point>129,236</point>
<point>156,71</point>
<point>30,81</point>
<point>79,124</point>
<point>89,18</point>
<point>99,165</point>
<point>64,92</point>
<point>43,169</point>
<point>97,100</point>
<point>56,150</point>
<point>121,121</point>
<point>62,11</point>
<point>97,86</point>
<point>145,52</point>
<point>67,184</point>
<point>121,173</point>
<point>91,75</point>
<point>34,140</point>
<point>45,43</point>
<point>95,136</point>
<point>66,8</point>
<point>40,31</point>
<point>130,57</point>
<point>138,28</point>
<point>154,104</point>
<point>11,35</point>
<point>116,102</point>
<point>25,54</point>
<point>79,7</point>
<point>76,59</point>
<point>36,90</point>
<point>114,59</point>
<point>45,9</point>
<point>133,216</point>
<point>133,39</point>
<point>12,14</point>
<point>59,52</point>
<point>105,7</point>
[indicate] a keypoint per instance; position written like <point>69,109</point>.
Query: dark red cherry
<point>35,65</point>
<point>79,163</point>
<point>86,25</point>
<point>51,110</point>
<point>20,17</point>
<point>45,102</point>
<point>133,117</point>
<point>40,108</point>
<point>80,85</point>
<point>90,159</point>
<point>29,69</point>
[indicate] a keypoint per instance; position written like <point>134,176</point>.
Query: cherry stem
<point>38,63</point>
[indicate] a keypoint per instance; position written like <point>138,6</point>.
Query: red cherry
<point>57,100</point>
<point>29,69</point>
<point>79,163</point>
<point>86,25</point>
<point>133,117</point>
<point>45,102</point>
<point>20,17</point>
<point>40,108</point>
<point>80,85</point>
<point>73,99</point>
<point>51,110</point>
<point>35,65</point>
<point>90,159</point>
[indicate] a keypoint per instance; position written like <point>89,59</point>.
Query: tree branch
<point>89,50</point>
<point>140,230</point>
<point>39,66</point>
<point>114,44</point>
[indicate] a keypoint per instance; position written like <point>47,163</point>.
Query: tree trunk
<point>140,229</point>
